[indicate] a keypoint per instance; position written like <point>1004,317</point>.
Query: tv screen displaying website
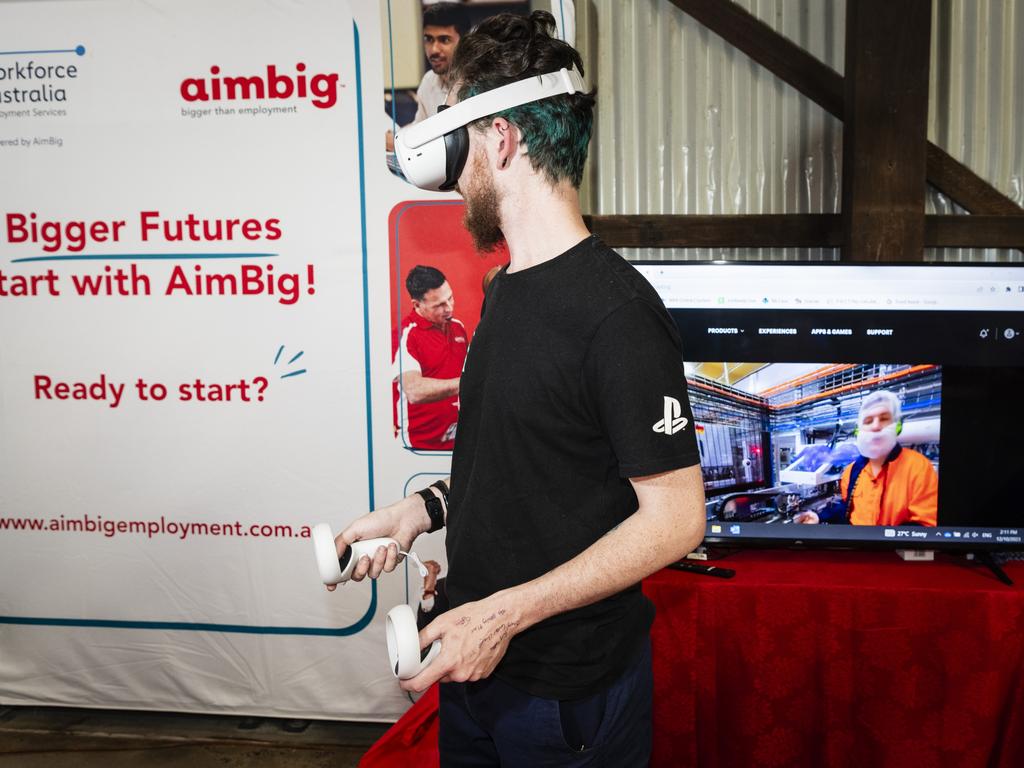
<point>854,405</point>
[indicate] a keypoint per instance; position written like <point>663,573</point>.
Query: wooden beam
<point>962,185</point>
<point>885,130</point>
<point>795,230</point>
<point>783,58</point>
<point>792,230</point>
<point>824,86</point>
<point>974,232</point>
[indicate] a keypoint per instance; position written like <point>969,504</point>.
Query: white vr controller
<point>403,637</point>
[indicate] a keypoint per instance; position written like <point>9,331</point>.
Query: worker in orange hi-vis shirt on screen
<point>892,485</point>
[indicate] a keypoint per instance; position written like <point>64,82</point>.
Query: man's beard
<point>482,217</point>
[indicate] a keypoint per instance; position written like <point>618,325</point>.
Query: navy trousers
<point>490,723</point>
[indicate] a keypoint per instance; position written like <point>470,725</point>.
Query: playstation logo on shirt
<point>673,421</point>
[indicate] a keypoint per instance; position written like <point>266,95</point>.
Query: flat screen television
<point>791,370</point>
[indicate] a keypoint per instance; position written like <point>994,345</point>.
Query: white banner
<point>197,326</point>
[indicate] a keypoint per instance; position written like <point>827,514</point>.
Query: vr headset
<point>432,153</point>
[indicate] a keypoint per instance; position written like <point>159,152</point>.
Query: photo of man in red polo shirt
<point>429,361</point>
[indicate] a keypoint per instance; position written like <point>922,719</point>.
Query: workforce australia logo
<point>674,421</point>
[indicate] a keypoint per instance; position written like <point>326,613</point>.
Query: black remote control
<point>707,570</point>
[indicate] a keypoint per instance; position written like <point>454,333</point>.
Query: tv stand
<point>987,558</point>
<point>916,555</point>
<point>711,553</point>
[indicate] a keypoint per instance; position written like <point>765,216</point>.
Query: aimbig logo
<point>321,89</point>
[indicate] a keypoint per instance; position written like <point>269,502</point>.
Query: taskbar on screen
<point>726,533</point>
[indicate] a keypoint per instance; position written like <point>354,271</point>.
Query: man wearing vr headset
<point>575,471</point>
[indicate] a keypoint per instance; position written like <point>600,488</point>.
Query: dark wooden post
<point>885,129</point>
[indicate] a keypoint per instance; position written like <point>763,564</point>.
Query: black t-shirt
<point>573,373</point>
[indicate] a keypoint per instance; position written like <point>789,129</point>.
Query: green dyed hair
<point>506,48</point>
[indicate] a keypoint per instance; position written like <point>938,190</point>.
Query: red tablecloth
<point>820,659</point>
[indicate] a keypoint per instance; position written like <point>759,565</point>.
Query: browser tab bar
<point>846,287</point>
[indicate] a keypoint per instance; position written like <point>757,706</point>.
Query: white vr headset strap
<point>506,97</point>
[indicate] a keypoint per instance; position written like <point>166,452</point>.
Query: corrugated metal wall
<point>976,108</point>
<point>699,128</point>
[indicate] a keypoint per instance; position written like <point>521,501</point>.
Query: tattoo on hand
<point>501,612</point>
<point>501,632</point>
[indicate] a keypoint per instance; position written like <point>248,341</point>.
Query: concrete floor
<point>45,737</point>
